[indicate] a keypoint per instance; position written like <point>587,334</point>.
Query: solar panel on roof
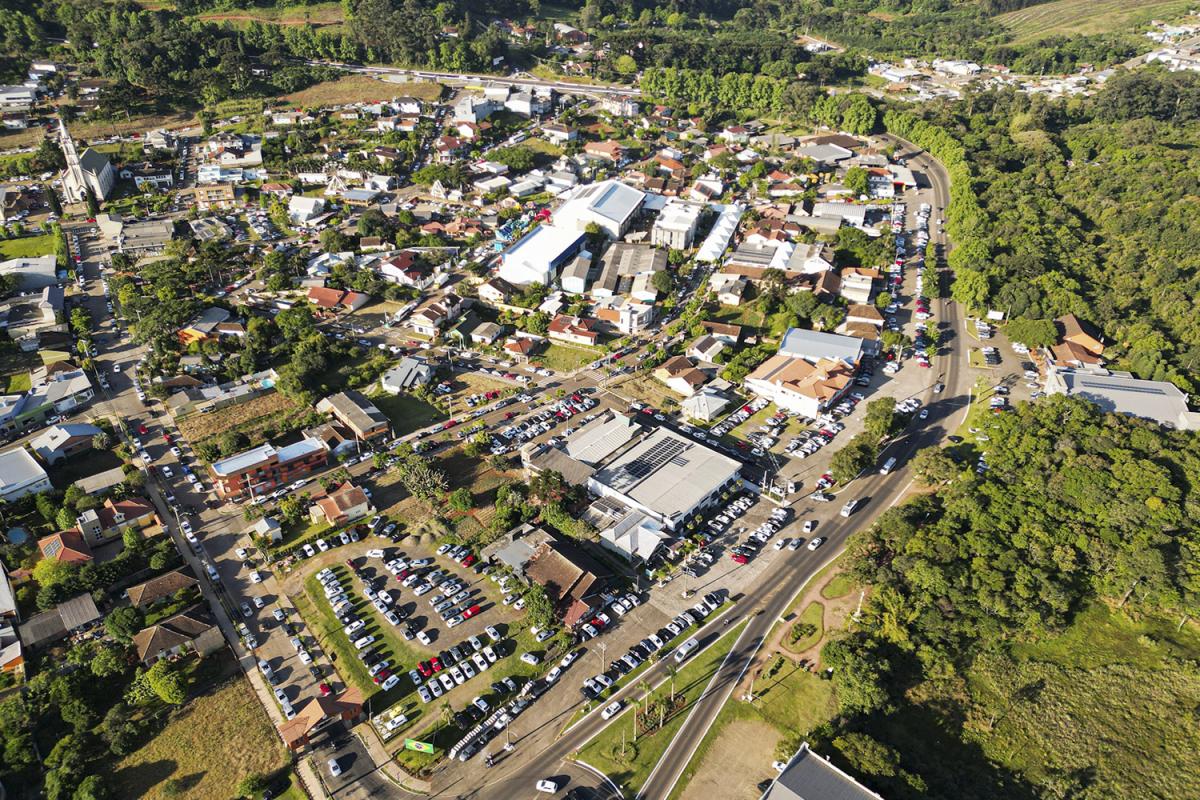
<point>1122,387</point>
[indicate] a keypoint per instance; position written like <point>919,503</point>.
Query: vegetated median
<point>628,759</point>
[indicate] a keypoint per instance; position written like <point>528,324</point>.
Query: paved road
<point>462,79</point>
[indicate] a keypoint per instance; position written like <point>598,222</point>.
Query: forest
<point>1083,206</point>
<point>1003,603</point>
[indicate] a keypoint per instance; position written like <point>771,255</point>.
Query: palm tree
<point>672,669</point>
<point>446,712</point>
<point>635,704</point>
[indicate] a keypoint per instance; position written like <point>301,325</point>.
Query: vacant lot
<point>565,358</point>
<point>260,419</point>
<point>360,89</point>
<point>1066,17</point>
<point>27,246</point>
<point>406,413</point>
<point>645,387</point>
<point>207,748</point>
<point>316,14</point>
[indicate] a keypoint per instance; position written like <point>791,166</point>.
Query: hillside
<point>1086,17</point>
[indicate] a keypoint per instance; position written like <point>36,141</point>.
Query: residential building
<point>522,347</point>
<point>98,525</point>
<point>609,150</point>
<point>335,300</point>
<point>1121,393</point>
<point>576,330</point>
<point>559,134</point>
<point>858,285</point>
<point>190,631</point>
<point>101,482</point>
<point>147,237</point>
<point>729,288</point>
<point>160,588</point>
<point>341,506</point>
<point>705,405</point>
<point>268,529</point>
<point>810,258</point>
<point>623,315</point>
<point>68,546</point>
<point>213,196</point>
<point>431,318</point>
<point>205,326</point>
<point>860,313</point>
<point>353,410</point>
<point>538,255</point>
<point>266,468</point>
<point>676,224</point>
<point>408,374</point>
<point>20,475</point>
<point>77,614</point>
<point>680,375</point>
<point>304,210</point>
<point>610,205</point>
<point>706,348</point>
<point>60,442</point>
<point>19,97</point>
<point>807,776</point>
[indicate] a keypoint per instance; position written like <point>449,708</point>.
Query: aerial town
<point>502,435</point>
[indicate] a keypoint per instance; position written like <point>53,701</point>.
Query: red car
<point>468,561</point>
<point>142,430</point>
<point>436,664</point>
<point>325,690</point>
<point>739,559</point>
<point>382,676</point>
<point>424,669</point>
<point>350,564</point>
<point>470,612</point>
<point>510,414</point>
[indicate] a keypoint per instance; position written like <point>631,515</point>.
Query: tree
<point>251,785</point>
<point>933,465</point>
<point>883,300</point>
<point>52,199</point>
<point>1032,332</point>
<point>868,755</point>
<point>101,441</point>
<point>663,282</point>
<point>166,682</point>
<point>65,519</point>
<point>52,572</point>
<point>970,288</point>
<point>538,607</point>
<point>108,661</point>
<point>880,419</point>
<point>123,622</point>
<point>853,459</point>
<point>856,181</point>
<point>858,675</point>
<point>93,206</point>
<point>460,499</point>
<point>119,730</point>
<point>625,65</point>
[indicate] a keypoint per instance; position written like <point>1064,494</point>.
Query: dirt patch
<point>735,763</point>
<point>253,418</point>
<point>360,89</point>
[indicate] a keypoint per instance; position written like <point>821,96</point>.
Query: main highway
<point>762,607</point>
<point>473,79</point>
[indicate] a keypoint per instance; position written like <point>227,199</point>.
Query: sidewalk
<point>386,764</point>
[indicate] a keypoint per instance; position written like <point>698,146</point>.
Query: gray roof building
<point>817,345</point>
<point>408,373</point>
<point>1121,393</point>
<point>810,777</point>
<point>621,262</point>
<point>102,481</point>
<point>32,273</point>
<point>600,438</point>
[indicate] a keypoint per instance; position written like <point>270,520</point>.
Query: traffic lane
<point>575,783</point>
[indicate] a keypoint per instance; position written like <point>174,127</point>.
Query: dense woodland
<point>972,589</point>
<point>1083,206</point>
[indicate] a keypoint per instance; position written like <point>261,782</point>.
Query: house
<point>303,210</point>
<point>341,506</point>
<point>559,134</point>
<point>472,131</point>
<point>1077,345</point>
<point>353,410</point>
<point>110,520</point>
<point>728,287</point>
<point>190,631</point>
<point>60,442</point>
<point>446,149</point>
<point>676,224</point>
<point>568,33</point>
<point>359,198</point>
<point>318,714</point>
<point>623,315</point>
<point>403,269</point>
<point>571,578</point>
<point>158,588</point>
<point>101,482</point>
<point>485,333</point>
<point>857,285</point>
<point>860,313</point>
<point>806,387</point>
<point>77,614</point>
<point>810,258</point>
<point>268,529</point>
<point>408,374</point>
<point>32,273</point>
<point>706,348</point>
<point>705,405</point>
<point>726,332</point>
<point>576,330</point>
<point>495,291</point>
<point>212,196</point>
<point>608,150</point>
<point>20,475</point>
<point>336,299</point>
<point>522,347</point>
<point>204,327</point>
<point>68,546</point>
<point>734,134</point>
<point>680,375</point>
<point>431,318</point>
<point>807,776</point>
<point>530,103</point>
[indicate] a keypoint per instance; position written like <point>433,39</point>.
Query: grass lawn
<point>27,246</point>
<point>260,418</point>
<point>632,769</point>
<point>81,466</point>
<point>813,614</point>
<point>208,746</point>
<point>18,382</point>
<point>1070,17</point>
<point>839,585</point>
<point>406,412</point>
<point>565,358</point>
<point>317,14</point>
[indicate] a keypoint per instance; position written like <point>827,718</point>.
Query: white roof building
<point>538,255</point>
<point>302,210</point>
<point>722,233</point>
<point>676,224</point>
<point>21,475</point>
<point>609,204</point>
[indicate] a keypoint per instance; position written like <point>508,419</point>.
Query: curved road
<point>770,599</point>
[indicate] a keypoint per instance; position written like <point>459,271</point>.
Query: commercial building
<point>36,272</point>
<point>807,388</point>
<point>807,776</point>
<point>1121,393</point>
<point>408,374</point>
<point>341,506</point>
<point>610,205</point>
<point>676,224</point>
<point>818,345</point>
<point>538,255</point>
<point>722,232</point>
<point>621,264</point>
<point>265,468</point>
<point>572,579</point>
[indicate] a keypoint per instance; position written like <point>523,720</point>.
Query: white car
<point>810,526</point>
<point>611,710</point>
<point>334,768</point>
<point>256,577</point>
<point>547,785</point>
<point>423,638</point>
<point>817,542</point>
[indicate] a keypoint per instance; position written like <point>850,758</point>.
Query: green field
<point>631,770</point>
<point>1066,17</point>
<point>406,412</point>
<point>565,358</point>
<point>27,246</point>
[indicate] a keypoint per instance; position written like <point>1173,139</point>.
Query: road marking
<point>616,789</point>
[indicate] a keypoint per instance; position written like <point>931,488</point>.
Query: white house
<point>303,210</point>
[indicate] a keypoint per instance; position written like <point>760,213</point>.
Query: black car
<point>372,658</point>
<point>447,659</point>
<point>618,666</point>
